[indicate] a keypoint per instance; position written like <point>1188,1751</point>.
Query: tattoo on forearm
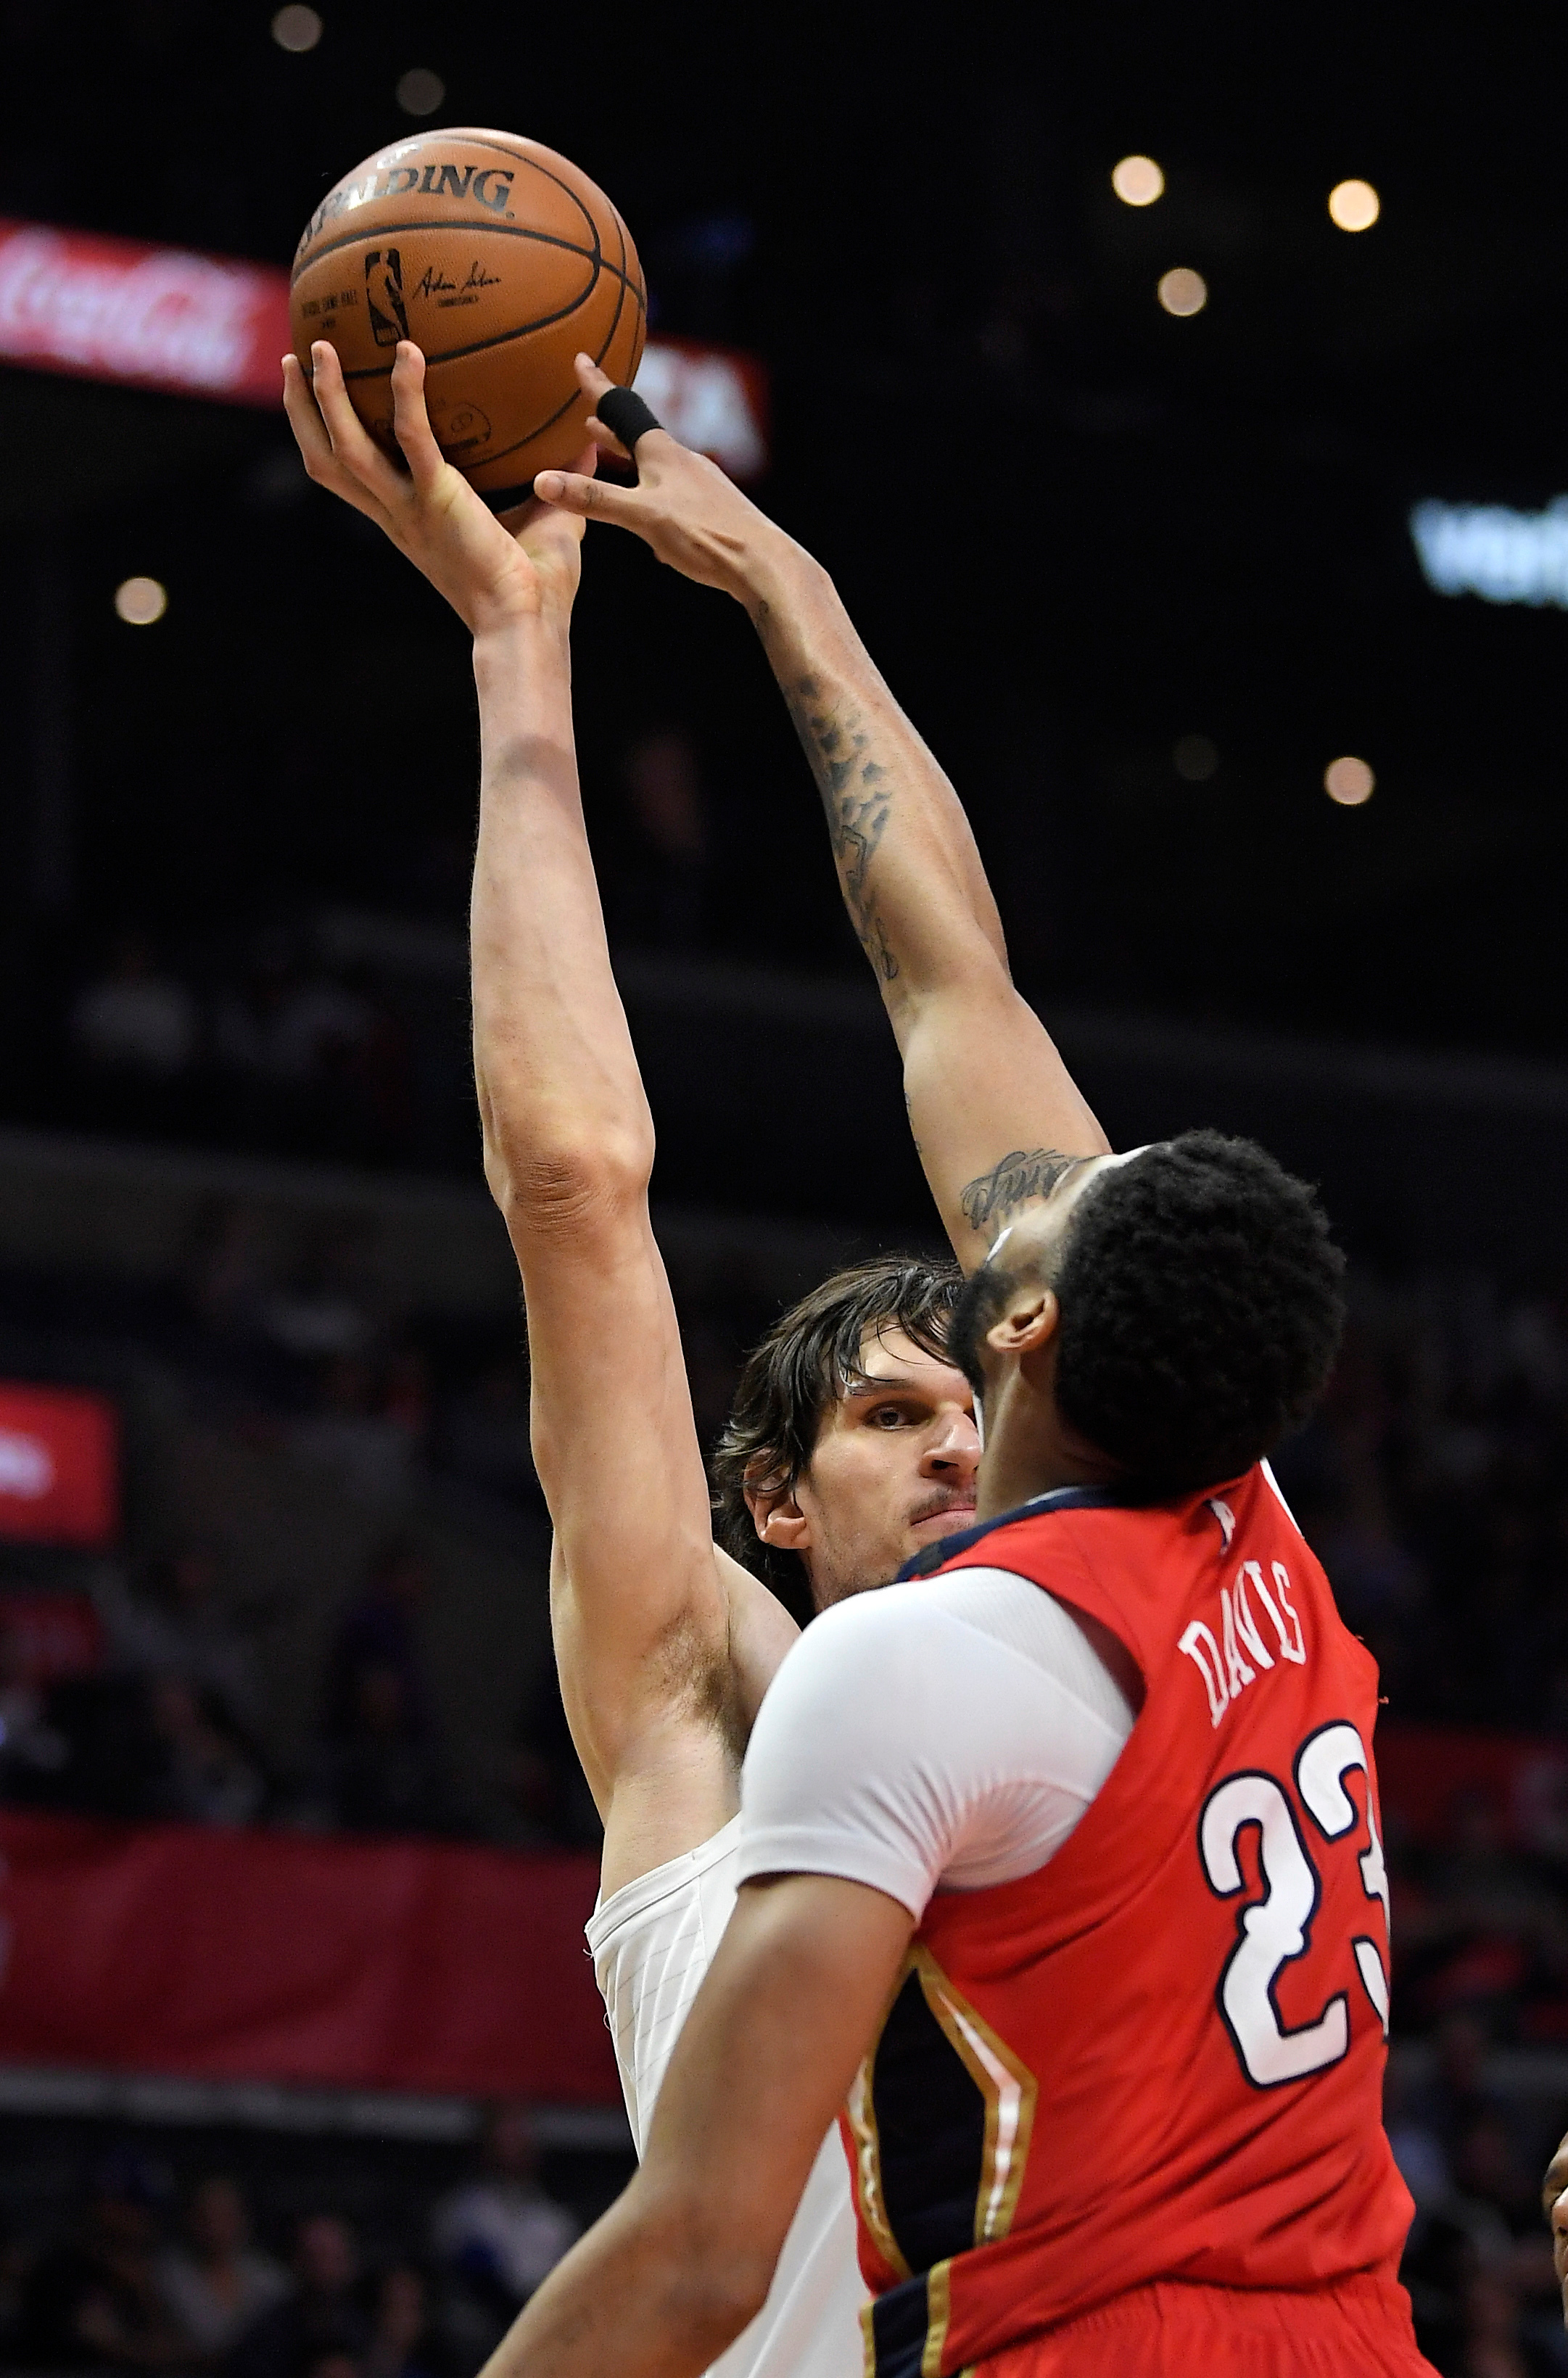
<point>1027,1173</point>
<point>857,795</point>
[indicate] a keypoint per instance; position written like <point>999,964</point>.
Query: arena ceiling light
<point>1138,181</point>
<point>420,92</point>
<point>141,602</point>
<point>1354,206</point>
<point>1349,782</point>
<point>296,29</point>
<point>1183,292</point>
<point>1490,550</point>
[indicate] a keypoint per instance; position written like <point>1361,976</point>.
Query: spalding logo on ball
<point>502,262</point>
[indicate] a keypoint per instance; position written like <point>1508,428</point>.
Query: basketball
<point>502,262</point>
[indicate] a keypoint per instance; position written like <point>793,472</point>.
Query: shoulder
<point>872,1664</point>
<point>890,1618</point>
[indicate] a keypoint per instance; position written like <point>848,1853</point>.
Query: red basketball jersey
<point>1161,2057</point>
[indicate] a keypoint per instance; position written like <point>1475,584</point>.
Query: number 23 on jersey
<point>1296,1825</point>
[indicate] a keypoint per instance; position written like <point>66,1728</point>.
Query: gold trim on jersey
<point>861,2107</point>
<point>938,2312</point>
<point>1008,2086</point>
<point>1008,2091</point>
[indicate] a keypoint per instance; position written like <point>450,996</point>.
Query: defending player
<point>856,1446</point>
<point>1062,1865</point>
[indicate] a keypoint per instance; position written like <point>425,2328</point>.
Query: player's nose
<point>953,1453</point>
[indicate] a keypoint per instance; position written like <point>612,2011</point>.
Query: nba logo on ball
<point>503,262</point>
<point>383,297</point>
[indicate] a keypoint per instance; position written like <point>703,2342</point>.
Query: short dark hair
<point>791,1380</point>
<point>1202,1302</point>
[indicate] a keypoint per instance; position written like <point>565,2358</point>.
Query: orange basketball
<point>502,262</point>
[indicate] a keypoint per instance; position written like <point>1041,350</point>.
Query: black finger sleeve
<point>623,411</point>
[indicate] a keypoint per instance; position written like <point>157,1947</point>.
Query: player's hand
<point>492,570</point>
<point>694,518</point>
<point>1554,2197</point>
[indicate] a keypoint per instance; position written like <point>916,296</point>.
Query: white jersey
<point>652,1943</point>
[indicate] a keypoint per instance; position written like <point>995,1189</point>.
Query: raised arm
<point>661,1642</point>
<point>992,1105</point>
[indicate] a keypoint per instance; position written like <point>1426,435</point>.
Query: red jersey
<point>1160,2058</point>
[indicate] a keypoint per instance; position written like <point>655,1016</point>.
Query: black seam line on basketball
<point>390,232</point>
<point>503,451</point>
<point>454,355</point>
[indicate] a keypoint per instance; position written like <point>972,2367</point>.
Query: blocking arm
<point>993,1107</point>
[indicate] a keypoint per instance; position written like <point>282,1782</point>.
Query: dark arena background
<point>1218,542</point>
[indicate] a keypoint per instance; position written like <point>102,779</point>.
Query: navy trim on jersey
<point>901,2324</point>
<point>1060,1498</point>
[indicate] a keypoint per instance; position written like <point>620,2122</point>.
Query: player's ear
<point>1027,1325</point>
<point>778,1516</point>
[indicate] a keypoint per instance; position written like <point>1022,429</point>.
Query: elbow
<point>711,2297</point>
<point>568,1187</point>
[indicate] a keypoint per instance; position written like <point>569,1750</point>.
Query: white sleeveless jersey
<point>652,1943</point>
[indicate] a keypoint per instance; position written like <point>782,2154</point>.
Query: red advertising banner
<point>118,309</point>
<point>172,317</point>
<point>257,1956</point>
<point>59,1467</point>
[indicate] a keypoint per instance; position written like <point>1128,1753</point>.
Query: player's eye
<point>887,1416</point>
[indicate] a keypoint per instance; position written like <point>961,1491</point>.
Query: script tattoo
<point>1027,1173</point>
<point>857,795</point>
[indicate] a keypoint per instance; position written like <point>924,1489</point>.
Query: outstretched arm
<point>657,1636</point>
<point>993,1107</point>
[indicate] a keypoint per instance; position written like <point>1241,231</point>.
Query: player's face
<point>894,1469</point>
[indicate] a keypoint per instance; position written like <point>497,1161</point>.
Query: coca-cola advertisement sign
<point>206,326</point>
<point>118,309</point>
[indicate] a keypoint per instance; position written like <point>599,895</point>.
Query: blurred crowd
<point>164,1719</point>
<point>343,1038</point>
<point>142,2274</point>
<point>1434,1486</point>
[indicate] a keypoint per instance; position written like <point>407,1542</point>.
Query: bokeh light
<point>1183,292</point>
<point>1349,782</point>
<point>420,92</point>
<point>1195,758</point>
<point>1137,182</point>
<point>296,29</point>
<point>140,601</point>
<point>1354,206</point>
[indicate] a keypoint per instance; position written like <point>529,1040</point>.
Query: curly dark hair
<point>793,1379</point>
<point>1202,1306</point>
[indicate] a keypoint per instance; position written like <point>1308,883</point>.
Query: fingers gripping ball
<point>504,262</point>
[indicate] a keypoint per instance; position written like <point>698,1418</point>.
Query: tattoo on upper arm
<point>856,794</point>
<point>1027,1173</point>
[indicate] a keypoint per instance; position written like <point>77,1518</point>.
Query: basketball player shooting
<point>853,1445</point>
<point>1061,1864</point>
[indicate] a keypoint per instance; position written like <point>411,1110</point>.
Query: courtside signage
<point>161,316</point>
<point>1490,550</point>
<point>59,1467</point>
<point>171,318</point>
